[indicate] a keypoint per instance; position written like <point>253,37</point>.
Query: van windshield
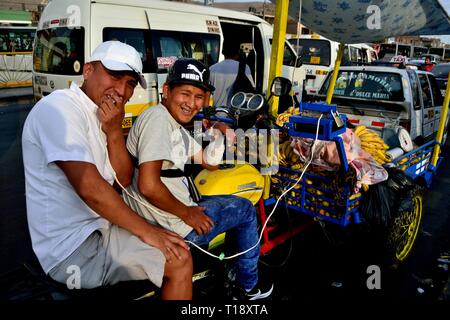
<point>59,51</point>
<point>313,51</point>
<point>367,85</point>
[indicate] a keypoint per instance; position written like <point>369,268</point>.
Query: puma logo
<point>194,68</point>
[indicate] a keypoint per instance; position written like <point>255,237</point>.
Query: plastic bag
<point>383,200</point>
<point>377,205</point>
<point>368,171</point>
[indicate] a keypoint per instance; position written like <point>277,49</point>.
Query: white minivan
<point>161,31</point>
<point>318,55</point>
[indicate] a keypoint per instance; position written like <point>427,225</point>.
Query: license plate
<point>126,123</point>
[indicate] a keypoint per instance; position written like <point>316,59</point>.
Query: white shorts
<point>109,256</point>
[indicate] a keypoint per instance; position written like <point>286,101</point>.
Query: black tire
<point>403,230</point>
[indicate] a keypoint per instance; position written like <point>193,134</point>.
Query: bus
<point>16,46</point>
<point>437,51</point>
<point>419,52</point>
<point>390,50</point>
<point>443,53</point>
<point>161,33</point>
<point>318,55</point>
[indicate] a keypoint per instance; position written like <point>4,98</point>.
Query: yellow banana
<point>358,129</point>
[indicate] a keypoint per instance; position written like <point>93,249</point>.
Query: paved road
<point>14,238</point>
<point>327,264</point>
<point>322,263</point>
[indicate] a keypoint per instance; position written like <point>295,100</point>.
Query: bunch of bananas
<point>373,144</point>
<point>284,117</point>
<point>287,157</point>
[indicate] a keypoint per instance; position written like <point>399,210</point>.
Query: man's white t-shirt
<point>61,127</point>
<point>156,135</point>
<point>223,75</point>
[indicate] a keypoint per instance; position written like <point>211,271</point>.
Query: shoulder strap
<point>241,68</point>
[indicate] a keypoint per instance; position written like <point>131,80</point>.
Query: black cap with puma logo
<point>190,71</point>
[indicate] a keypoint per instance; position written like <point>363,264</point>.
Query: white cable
<point>273,210</point>
<point>268,218</point>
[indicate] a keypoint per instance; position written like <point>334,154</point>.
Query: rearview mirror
<point>280,86</point>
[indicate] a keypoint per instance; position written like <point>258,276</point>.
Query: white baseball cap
<point>118,56</point>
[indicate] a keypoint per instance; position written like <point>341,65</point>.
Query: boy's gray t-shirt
<point>156,136</point>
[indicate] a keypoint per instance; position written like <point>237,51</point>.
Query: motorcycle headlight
<point>255,102</point>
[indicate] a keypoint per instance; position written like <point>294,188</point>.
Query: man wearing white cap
<point>74,153</point>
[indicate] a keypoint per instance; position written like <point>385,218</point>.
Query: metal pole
<point>441,127</point>
<point>337,65</point>
<point>279,36</point>
<point>276,62</point>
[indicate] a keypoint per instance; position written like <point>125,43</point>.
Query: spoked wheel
<point>405,227</point>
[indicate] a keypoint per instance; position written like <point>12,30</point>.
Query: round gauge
<point>255,102</point>
<point>238,100</point>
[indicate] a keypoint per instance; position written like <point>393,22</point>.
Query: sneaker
<point>260,291</point>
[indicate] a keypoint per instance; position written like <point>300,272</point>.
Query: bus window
<point>404,50</point>
<point>437,96</point>
<point>211,46</point>
<point>419,51</point>
<point>137,38</point>
<point>288,56</point>
<point>170,45</point>
<point>387,51</point>
<point>447,54</point>
<point>59,51</point>
<point>437,51</point>
<point>415,89</point>
<point>16,39</point>
<point>346,61</point>
<point>314,51</point>
<point>354,54</point>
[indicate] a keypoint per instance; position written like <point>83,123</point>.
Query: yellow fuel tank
<point>242,180</point>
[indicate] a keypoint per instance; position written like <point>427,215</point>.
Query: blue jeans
<point>237,216</point>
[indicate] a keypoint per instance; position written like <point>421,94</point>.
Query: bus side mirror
<point>299,62</point>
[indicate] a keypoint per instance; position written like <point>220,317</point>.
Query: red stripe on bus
<point>353,121</point>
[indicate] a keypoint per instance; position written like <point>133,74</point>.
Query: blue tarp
<point>355,21</point>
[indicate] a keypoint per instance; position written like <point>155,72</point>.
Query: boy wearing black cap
<point>160,191</point>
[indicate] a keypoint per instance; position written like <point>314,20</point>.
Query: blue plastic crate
<point>416,162</point>
<point>314,196</point>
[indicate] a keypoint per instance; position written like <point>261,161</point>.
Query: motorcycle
<point>245,175</point>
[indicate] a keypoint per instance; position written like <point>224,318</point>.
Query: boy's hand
<point>197,219</point>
